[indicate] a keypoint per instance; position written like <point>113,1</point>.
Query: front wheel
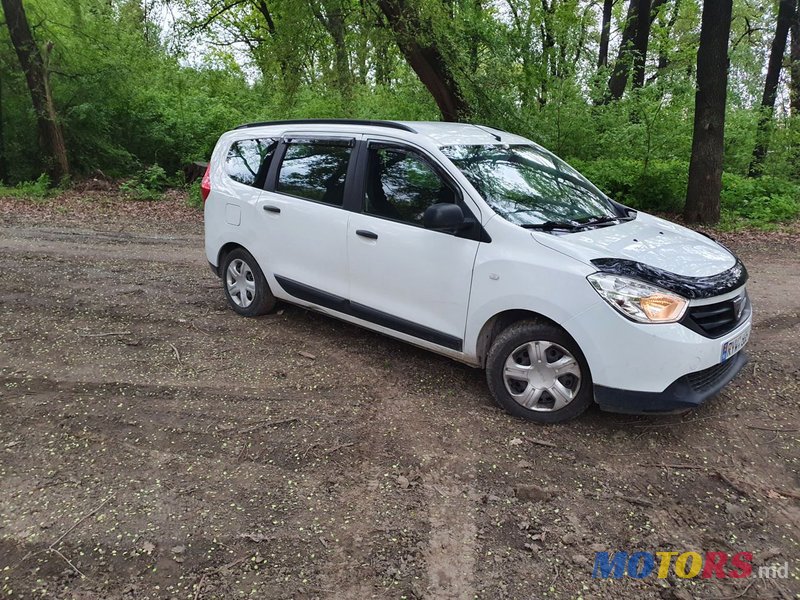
<point>536,371</point>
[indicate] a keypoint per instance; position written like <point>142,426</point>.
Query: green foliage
<point>38,188</point>
<point>759,202</point>
<point>133,89</point>
<point>659,186</point>
<point>194,199</point>
<point>148,184</point>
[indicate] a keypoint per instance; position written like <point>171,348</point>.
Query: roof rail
<point>390,124</point>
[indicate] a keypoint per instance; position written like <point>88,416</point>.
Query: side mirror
<point>443,217</point>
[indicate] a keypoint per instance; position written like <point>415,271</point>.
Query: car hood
<point>647,240</point>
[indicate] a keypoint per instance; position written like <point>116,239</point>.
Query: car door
<point>402,276</point>
<point>302,219</point>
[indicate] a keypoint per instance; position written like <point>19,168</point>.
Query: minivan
<point>482,246</point>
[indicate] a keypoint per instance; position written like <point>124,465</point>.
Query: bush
<point>758,201</point>
<point>195,199</point>
<point>148,184</point>
<point>39,188</point>
<point>745,202</point>
<point>658,187</point>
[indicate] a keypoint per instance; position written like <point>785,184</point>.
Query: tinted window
<point>401,185</point>
<point>526,184</point>
<point>247,158</point>
<point>315,171</point>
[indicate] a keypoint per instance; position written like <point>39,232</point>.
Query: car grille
<point>715,320</point>
<point>708,378</point>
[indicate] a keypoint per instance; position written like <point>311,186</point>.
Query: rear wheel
<point>245,286</point>
<point>536,371</point>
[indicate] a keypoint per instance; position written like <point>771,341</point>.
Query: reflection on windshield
<point>528,185</point>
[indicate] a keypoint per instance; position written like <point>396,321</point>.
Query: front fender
<point>536,280</point>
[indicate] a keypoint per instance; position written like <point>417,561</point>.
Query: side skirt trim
<point>343,305</point>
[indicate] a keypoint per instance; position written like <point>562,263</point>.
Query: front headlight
<point>638,300</point>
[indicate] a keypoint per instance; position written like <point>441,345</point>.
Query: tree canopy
<point>154,82</point>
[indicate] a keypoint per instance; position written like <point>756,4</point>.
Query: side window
<point>247,159</point>
<point>315,171</point>
<point>401,185</point>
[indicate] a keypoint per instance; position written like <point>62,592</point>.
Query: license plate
<point>733,346</point>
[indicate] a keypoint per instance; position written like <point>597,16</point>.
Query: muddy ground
<point>155,445</point>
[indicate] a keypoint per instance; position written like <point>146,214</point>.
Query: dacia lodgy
<point>482,246</point>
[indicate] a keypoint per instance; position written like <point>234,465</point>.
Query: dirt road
<point>163,447</point>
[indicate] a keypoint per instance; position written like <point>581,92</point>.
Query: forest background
<point>134,90</point>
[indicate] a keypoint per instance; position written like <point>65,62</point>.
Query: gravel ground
<point>155,445</point>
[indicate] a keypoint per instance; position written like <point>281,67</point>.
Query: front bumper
<point>685,393</point>
<point>644,357</point>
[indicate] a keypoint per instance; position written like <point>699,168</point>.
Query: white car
<point>482,246</point>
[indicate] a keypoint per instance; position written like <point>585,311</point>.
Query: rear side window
<point>248,160</point>
<point>401,185</point>
<point>315,171</point>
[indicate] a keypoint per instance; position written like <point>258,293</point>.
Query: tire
<point>245,286</point>
<point>558,389</point>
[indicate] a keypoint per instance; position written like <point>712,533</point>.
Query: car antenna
<point>494,135</point>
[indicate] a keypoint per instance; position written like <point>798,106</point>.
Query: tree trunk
<point>786,10</point>
<point>416,42</point>
<point>362,58</point>
<point>51,138</point>
<point>332,17</point>
<point>3,171</point>
<point>341,57</point>
<point>705,168</point>
<point>619,76</point>
<point>605,34</point>
<point>548,45</point>
<point>794,85</point>
<point>383,63</point>
<point>262,7</point>
<point>475,39</point>
<point>663,57</point>
<point>632,49</point>
<point>642,39</point>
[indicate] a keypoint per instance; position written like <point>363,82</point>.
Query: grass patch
<point>38,189</point>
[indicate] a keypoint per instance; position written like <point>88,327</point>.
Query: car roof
<point>439,132</point>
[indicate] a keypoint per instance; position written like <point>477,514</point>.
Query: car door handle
<point>272,209</point>
<point>367,234</point>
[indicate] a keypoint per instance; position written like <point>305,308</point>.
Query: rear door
<point>302,219</point>
<point>402,276</point>
<point>237,184</point>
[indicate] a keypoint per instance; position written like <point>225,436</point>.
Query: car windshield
<point>529,186</point>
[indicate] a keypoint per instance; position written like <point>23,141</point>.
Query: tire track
<point>452,547</point>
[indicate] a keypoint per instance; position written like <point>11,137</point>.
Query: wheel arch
<point>504,319</point>
<point>224,251</point>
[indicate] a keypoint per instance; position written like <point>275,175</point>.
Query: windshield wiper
<point>600,219</point>
<point>575,225</point>
<point>551,225</point>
